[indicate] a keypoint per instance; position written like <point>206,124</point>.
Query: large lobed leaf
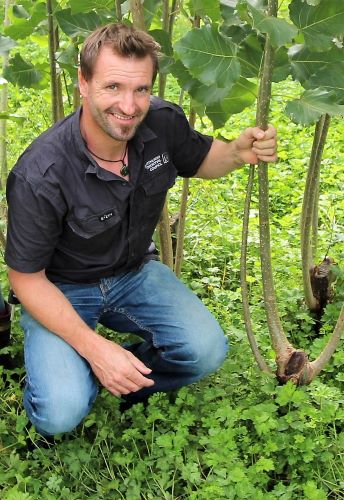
<point>313,104</point>
<point>207,8</point>
<point>78,6</point>
<point>242,94</point>
<point>210,57</point>
<point>319,69</point>
<point>279,30</point>
<point>22,26</point>
<point>250,55</point>
<point>82,24</point>
<point>320,23</point>
<point>24,74</point>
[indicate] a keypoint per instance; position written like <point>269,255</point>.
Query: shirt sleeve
<point>190,147</point>
<point>34,224</point>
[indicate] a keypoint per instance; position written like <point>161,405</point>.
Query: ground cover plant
<point>237,434</point>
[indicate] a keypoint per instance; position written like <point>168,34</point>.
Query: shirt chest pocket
<point>88,227</point>
<point>158,184</point>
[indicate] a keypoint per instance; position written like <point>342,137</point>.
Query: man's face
<point>117,96</point>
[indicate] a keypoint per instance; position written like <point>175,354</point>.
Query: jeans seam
<point>134,320</point>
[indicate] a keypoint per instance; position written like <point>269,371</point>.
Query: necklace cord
<point>124,169</point>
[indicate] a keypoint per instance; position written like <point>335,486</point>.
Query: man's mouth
<point>123,117</point>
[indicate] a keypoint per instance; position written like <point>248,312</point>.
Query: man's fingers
<point>137,363</point>
<point>259,134</point>
<point>267,151</point>
<point>268,159</point>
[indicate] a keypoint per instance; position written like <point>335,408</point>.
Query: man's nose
<point>127,104</point>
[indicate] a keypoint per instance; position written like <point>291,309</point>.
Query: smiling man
<point>84,200</point>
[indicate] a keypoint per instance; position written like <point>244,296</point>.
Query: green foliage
<point>312,105</point>
<point>202,52</point>
<point>319,24</point>
<point>23,73</point>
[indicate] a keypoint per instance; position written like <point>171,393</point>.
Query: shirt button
<point>124,183</point>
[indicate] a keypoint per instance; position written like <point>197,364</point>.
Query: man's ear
<point>83,85</point>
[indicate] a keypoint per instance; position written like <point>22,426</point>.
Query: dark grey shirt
<point>80,222</point>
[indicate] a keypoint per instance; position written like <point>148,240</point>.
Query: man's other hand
<point>255,145</point>
<point>117,369</point>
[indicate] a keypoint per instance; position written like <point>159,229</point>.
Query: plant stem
<point>53,74</point>
<point>118,8</point>
<point>185,194</point>
<point>137,12</point>
<point>182,214</point>
<point>3,107</point>
<point>243,273</point>
<point>309,208</point>
<point>165,27</point>
<point>166,250</point>
<point>278,338</point>
<point>318,364</point>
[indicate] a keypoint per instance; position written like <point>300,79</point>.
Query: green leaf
<point>23,27</point>
<point>22,73</point>
<point>305,63</point>
<point>150,8</point>
<point>209,56</point>
<point>313,104</point>
<point>6,44</point>
<point>242,94</point>
<point>82,24</point>
<point>319,24</point>
<point>279,31</point>
<point>78,6</point>
<point>250,55</point>
<point>202,94</point>
<point>229,12</point>
<point>67,60</point>
<point>19,11</point>
<point>205,8</point>
<point>330,77</point>
<point>162,37</point>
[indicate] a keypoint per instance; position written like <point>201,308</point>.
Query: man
<point>84,200</point>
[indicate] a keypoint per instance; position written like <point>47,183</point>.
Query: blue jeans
<point>181,343</point>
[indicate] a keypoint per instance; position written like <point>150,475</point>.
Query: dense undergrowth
<point>237,434</point>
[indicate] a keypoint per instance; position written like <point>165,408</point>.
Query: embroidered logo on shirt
<point>156,162</point>
<point>106,216</point>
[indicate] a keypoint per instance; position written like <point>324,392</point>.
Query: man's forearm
<point>222,159</point>
<point>252,145</point>
<point>47,304</point>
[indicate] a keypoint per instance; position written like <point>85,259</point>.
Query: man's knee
<point>211,352</point>
<point>59,413</point>
<point>202,354</point>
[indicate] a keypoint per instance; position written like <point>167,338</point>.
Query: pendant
<point>124,170</point>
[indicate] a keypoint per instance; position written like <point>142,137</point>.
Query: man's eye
<point>143,90</point>
<point>112,87</point>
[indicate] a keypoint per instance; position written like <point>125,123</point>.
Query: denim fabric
<point>182,342</point>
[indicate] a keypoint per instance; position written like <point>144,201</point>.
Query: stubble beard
<point>119,132</point>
